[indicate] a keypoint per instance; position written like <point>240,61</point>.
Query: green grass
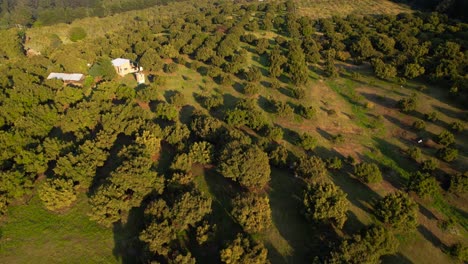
<point>31,234</point>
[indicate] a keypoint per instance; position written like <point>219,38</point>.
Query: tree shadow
<point>352,224</point>
<point>185,113</point>
<point>449,112</point>
<point>432,238</point>
<point>324,134</point>
<point>128,248</point>
<point>423,210</point>
<point>238,87</point>
<point>290,136</point>
<point>266,104</point>
<point>286,91</point>
<point>396,259</point>
<point>380,100</point>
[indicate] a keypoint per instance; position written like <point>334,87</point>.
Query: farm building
<point>66,77</point>
<point>124,66</point>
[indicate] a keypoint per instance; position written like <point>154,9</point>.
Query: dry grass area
<point>327,8</point>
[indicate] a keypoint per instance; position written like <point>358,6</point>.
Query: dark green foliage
<point>252,212</point>
<point>383,70</point>
<point>409,104</point>
<point>151,60</point>
<point>278,156</point>
<point>367,247</point>
<point>457,126</point>
<point>248,165</point>
<point>277,60</point>
<point>170,68</point>
<point>253,74</point>
<point>330,68</point>
<point>459,183</point>
<point>307,112</point>
<point>212,101</point>
<point>103,68</point>
<point>419,124</point>
<point>368,172</point>
<point>429,165</point>
<point>274,133</point>
<point>307,141</point>
<point>432,116</point>
<point>201,152</point>
<point>176,135</point>
<point>414,153</point>
<point>334,163</point>
<point>460,252</point>
<point>448,154</point>
<point>325,202</point>
<point>298,93</point>
<point>310,168</point>
<point>76,33</point>
<point>398,211</point>
<point>423,184</point>
<point>297,64</point>
<point>176,98</point>
<point>244,250</point>
<point>445,138</point>
<point>283,109</point>
<point>251,89</point>
<point>57,193</point>
<point>166,111</point>
<point>182,163</point>
<point>206,127</point>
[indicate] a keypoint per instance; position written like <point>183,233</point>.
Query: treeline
<point>453,8</point>
<point>44,12</point>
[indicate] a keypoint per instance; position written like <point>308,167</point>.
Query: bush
<point>432,116</point>
<point>177,99</point>
<point>407,105</point>
<point>460,252</point>
<point>457,126</point>
<point>429,165</point>
<point>307,141</point>
<point>308,112</point>
<point>448,154</point>
<point>77,33</point>
<point>283,109</point>
<point>459,183</point>
<point>338,139</point>
<point>445,138</point>
<point>170,68</point>
<point>201,152</point>
<point>274,133</point>
<point>399,211</point>
<point>368,172</point>
<point>252,212</point>
<point>423,184</point>
<point>251,89</point>
<point>324,202</point>
<point>310,167</point>
<point>334,163</point>
<point>414,153</point>
<point>278,156</point>
<point>298,93</point>
<point>57,194</point>
<point>419,125</point>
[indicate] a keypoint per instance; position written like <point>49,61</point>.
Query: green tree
<point>206,128</point>
<point>103,68</point>
<point>368,172</point>
<point>310,167</point>
<point>459,183</point>
<point>409,104</point>
<point>76,33</point>
<point>398,211</point>
<point>367,247</point>
<point>447,154</point>
<point>423,184</point>
<point>325,202</point>
<point>244,250</point>
<point>57,193</point>
<point>383,70</point>
<point>202,152</point>
<point>277,60</point>
<point>307,141</point>
<point>248,165</point>
<point>445,138</point>
<point>297,64</point>
<point>252,212</point>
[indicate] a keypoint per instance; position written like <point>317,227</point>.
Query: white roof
<point>119,62</point>
<point>65,76</point>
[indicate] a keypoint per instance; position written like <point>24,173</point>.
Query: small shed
<point>124,66</point>
<point>66,77</point>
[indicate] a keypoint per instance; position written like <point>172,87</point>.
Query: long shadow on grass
<point>432,238</point>
<point>305,239</point>
<point>127,246</point>
<point>396,259</point>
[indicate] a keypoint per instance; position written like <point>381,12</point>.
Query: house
<point>74,78</point>
<point>124,66</point>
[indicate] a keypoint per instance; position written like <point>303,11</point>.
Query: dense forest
<point>247,112</point>
<point>49,12</point>
<point>453,8</point>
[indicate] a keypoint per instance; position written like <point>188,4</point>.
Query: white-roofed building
<point>66,77</point>
<point>124,66</point>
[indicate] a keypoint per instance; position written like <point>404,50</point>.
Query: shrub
<point>459,183</point>
<point>251,89</point>
<point>399,211</point>
<point>429,165</point>
<point>334,163</point>
<point>414,153</point>
<point>457,126</point>
<point>77,33</point>
<point>170,68</point>
<point>368,172</point>
<point>419,125</point>
<point>423,184</point>
<point>278,156</point>
<point>252,212</point>
<point>298,93</point>
<point>324,202</point>
<point>307,141</point>
<point>407,105</point>
<point>57,193</point>
<point>283,109</point>
<point>201,152</point>
<point>177,99</point>
<point>432,116</point>
<point>308,112</point>
<point>310,168</point>
<point>274,133</point>
<point>338,138</point>
<point>460,252</point>
<point>448,154</point>
<point>445,138</point>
